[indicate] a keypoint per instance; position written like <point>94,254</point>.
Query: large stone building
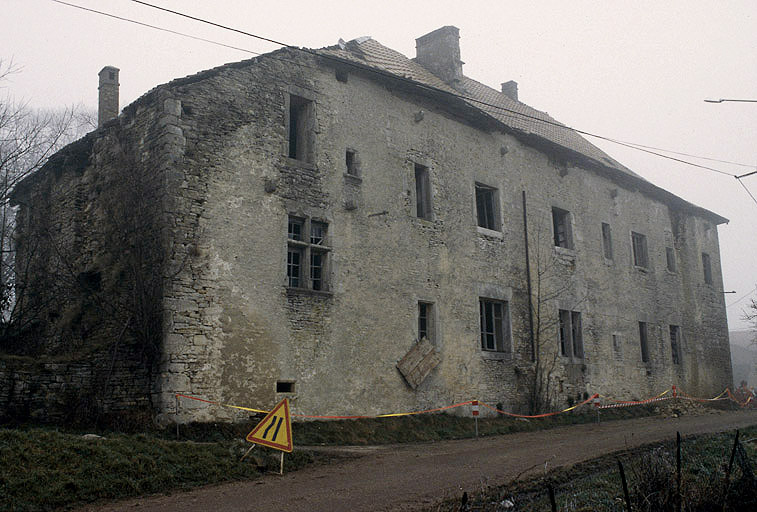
<point>363,232</point>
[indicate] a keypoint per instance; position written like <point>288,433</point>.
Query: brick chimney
<point>439,52</point>
<point>510,89</point>
<point>108,95</point>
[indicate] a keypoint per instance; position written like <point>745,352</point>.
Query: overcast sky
<point>632,71</point>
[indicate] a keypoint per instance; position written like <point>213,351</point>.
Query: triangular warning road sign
<point>275,431</point>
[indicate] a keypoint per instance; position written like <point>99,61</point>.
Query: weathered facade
<point>314,214</point>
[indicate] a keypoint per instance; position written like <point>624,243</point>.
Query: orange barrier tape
<point>180,395</point>
<point>635,402</point>
<point>741,404</point>
<point>632,403</point>
<point>540,415</point>
<point>719,397</point>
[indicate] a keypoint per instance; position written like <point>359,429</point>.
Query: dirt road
<point>406,477</point>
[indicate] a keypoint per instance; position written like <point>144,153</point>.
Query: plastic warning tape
<point>540,415</point>
<point>635,402</point>
<point>311,416</point>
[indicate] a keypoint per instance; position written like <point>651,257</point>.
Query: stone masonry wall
<point>234,329</point>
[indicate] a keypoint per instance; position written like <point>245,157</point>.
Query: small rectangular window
<point>317,260</point>
<point>571,334</point>
<point>675,343</point>
<point>301,128</point>
<point>317,233</point>
<point>562,228</point>
<point>706,268</point>
<point>606,241</point>
<point>426,321</point>
<point>495,325</point>
<point>639,243</point>
<point>643,342</point>
<point>350,158</point>
<point>487,207</point>
<point>422,192</point>
<point>616,342</point>
<point>284,386</point>
<point>670,256</point>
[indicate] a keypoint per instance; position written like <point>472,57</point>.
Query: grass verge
<point>595,486</point>
<point>46,469</point>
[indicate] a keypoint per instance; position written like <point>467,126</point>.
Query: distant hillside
<point>743,357</point>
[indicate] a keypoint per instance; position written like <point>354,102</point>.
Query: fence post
<point>552,500</point>
<point>474,411</point>
<point>728,470</point>
<point>678,472</point>
<point>625,486</point>
<point>596,406</point>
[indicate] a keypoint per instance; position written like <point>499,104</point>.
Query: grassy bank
<point>595,486</point>
<point>45,468</point>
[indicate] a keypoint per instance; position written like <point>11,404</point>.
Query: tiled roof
<point>513,114</point>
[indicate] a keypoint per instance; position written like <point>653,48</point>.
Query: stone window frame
<point>639,250</point>
<point>671,262</point>
<point>427,320</point>
<point>309,248</point>
<point>489,326</point>
<point>675,336</point>
<point>570,334</point>
<point>707,268</point>
<point>503,294</point>
<point>300,103</point>
<point>607,249</point>
<point>644,341</point>
<point>487,202</point>
<point>562,228</point>
<point>424,197</point>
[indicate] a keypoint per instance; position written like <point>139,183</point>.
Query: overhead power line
<point>747,294</point>
<point>638,147</point>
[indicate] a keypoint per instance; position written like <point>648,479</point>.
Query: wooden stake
<point>178,405</point>
<point>728,471</point>
<point>247,452</point>
<point>679,501</point>
<point>625,486</point>
<point>552,500</point>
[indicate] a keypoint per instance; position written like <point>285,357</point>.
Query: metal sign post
<point>474,411</point>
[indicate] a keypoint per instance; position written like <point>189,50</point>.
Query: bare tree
<point>28,137</point>
<point>553,280</point>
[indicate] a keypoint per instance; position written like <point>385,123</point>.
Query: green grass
<point>45,468</point>
<point>595,486</point>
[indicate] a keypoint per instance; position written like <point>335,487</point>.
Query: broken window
<point>606,240</point>
<point>487,207</point>
<point>670,256</point>
<point>639,244</point>
<point>675,343</point>
<point>307,255</point>
<point>643,342</point>
<point>571,334</point>
<point>301,128</point>
<point>706,268</point>
<point>426,321</point>
<point>495,325</point>
<point>422,192</point>
<point>562,228</point>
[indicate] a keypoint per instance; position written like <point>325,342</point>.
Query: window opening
<point>351,161</point>
<point>486,207</point>
<point>706,268</point>
<point>616,342</point>
<point>426,321</point>
<point>307,254</point>
<point>670,256</point>
<point>639,243</point>
<point>675,343</point>
<point>494,317</point>
<point>562,229</point>
<point>300,128</point>
<point>643,342</point>
<point>606,240</point>
<point>283,386</point>
<point>422,192</point>
<point>571,334</point>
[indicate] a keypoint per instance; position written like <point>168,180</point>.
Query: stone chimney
<point>108,97</point>
<point>439,52</point>
<point>510,89</point>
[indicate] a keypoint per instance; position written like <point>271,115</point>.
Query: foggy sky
<point>632,71</point>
